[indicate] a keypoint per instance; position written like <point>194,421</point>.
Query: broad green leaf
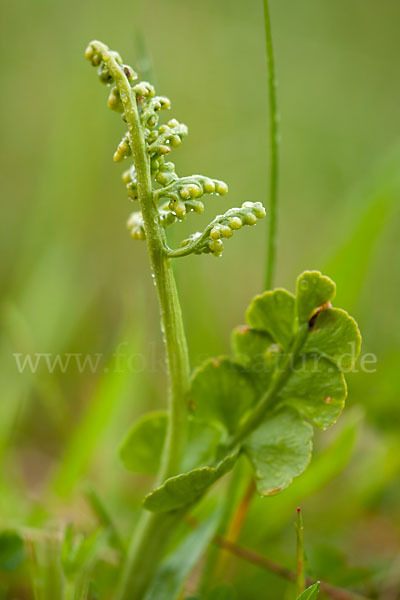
<point>310,593</point>
<point>250,346</point>
<point>142,447</point>
<point>336,336</point>
<point>257,352</point>
<point>279,450</point>
<point>221,392</point>
<point>317,389</point>
<point>186,488</point>
<point>273,312</point>
<point>175,568</point>
<point>203,440</point>
<point>324,467</point>
<point>313,290</point>
<point>12,553</point>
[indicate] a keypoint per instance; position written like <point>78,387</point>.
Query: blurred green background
<point>74,282</point>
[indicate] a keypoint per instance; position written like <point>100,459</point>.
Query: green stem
<point>300,575</point>
<point>153,530</point>
<point>274,152</point>
<point>145,552</point>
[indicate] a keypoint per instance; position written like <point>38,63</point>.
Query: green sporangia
<point>173,196</point>
<point>286,372</point>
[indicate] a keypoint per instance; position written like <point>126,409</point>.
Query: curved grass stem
<point>274,152</point>
<point>273,188</point>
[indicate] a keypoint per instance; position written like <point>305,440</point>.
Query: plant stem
<point>171,315</point>
<point>145,552</point>
<point>153,530</point>
<point>300,576</point>
<point>274,151</point>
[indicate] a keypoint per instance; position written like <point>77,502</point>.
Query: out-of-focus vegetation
<point>73,282</point>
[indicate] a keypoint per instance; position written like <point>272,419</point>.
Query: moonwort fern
<point>286,372</point>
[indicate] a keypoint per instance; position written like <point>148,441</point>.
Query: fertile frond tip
<point>174,197</point>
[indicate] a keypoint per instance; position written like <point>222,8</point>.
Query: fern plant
<point>286,372</point>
